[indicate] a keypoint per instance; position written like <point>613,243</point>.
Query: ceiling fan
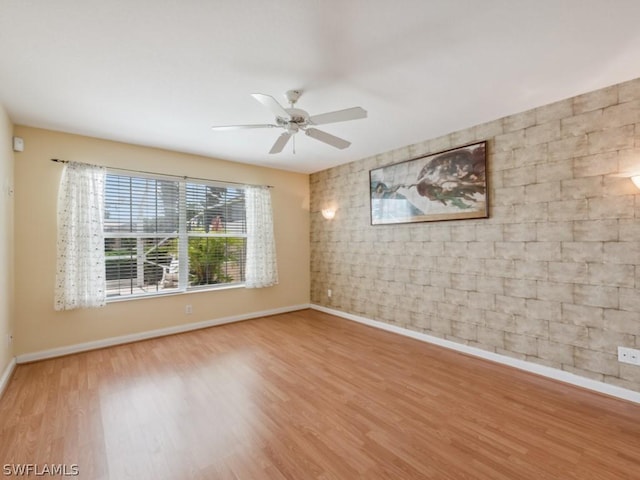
<point>292,120</point>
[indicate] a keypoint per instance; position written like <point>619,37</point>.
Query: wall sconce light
<point>328,213</point>
<point>636,180</point>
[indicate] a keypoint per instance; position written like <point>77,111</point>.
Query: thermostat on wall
<point>18,144</point>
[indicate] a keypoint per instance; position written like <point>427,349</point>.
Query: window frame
<point>182,236</point>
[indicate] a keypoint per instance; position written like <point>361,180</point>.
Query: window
<point>166,236</point>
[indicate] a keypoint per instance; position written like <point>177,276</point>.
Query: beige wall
<point>6,239</point>
<point>38,327</point>
<point>552,277</point>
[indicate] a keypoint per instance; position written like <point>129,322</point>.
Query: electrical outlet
<point>329,292</point>
<point>188,309</point>
<point>8,188</point>
<point>629,355</point>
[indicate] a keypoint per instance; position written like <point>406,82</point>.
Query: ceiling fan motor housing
<point>298,116</point>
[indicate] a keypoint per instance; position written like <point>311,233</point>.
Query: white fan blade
<point>327,138</point>
<point>272,104</point>
<point>354,113</point>
<point>242,127</point>
<point>280,143</point>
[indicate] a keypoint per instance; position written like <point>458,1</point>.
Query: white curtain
<point>80,273</point>
<point>262,270</point>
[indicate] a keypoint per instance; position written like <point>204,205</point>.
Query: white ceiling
<point>161,73</point>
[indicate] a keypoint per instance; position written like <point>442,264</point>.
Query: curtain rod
<point>167,175</point>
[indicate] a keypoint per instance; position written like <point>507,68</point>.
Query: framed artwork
<point>449,185</point>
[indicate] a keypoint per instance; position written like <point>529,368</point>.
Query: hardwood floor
<point>306,395</point>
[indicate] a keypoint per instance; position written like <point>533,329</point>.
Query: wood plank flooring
<point>306,395</point>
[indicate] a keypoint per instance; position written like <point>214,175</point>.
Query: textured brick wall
<point>552,277</point>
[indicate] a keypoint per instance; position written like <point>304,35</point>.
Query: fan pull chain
<point>294,144</point>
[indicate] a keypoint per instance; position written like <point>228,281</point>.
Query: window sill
<point>126,298</point>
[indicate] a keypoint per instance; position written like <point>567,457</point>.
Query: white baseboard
<point>6,375</point>
<point>135,337</point>
<point>543,370</point>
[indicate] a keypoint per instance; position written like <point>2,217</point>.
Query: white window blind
<point>166,236</point>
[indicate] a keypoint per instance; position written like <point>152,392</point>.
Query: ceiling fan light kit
<point>293,120</point>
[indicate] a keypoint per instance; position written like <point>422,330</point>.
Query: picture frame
<point>448,185</point>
